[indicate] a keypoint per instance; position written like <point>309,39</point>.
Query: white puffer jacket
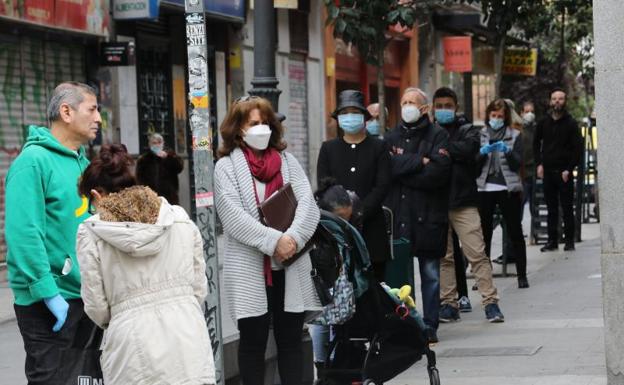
<point>144,284</point>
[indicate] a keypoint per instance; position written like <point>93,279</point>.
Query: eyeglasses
<point>246,98</point>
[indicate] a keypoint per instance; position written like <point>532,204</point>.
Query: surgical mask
<point>373,127</point>
<point>351,123</point>
<point>445,116</point>
<point>156,149</point>
<point>410,113</point>
<point>497,124</point>
<point>258,136</point>
<point>528,117</point>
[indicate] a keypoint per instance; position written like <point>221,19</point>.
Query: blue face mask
<point>445,116</point>
<point>497,124</point>
<point>351,123</point>
<point>373,127</point>
<point>156,149</point>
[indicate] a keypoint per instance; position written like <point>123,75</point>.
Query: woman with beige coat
<point>143,280</point>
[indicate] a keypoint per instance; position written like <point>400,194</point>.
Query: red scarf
<point>266,168</point>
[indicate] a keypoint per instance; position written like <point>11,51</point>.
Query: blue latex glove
<point>59,308</point>
<point>486,149</point>
<point>501,147</point>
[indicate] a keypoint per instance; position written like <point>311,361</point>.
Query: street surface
<point>553,333</point>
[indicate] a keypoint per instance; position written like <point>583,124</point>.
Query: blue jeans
<point>430,288</point>
<point>320,335</point>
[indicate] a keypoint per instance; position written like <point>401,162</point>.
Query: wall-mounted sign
<point>117,54</point>
<point>518,61</point>
<point>224,9</point>
<point>84,15</point>
<point>39,11</point>
<point>457,53</point>
<point>135,9</point>
<point>89,16</point>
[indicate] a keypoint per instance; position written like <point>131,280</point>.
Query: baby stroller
<point>378,342</point>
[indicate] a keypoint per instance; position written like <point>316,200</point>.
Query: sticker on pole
<point>204,199</point>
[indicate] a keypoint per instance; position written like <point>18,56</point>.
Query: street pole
<point>203,169</point>
<point>264,81</point>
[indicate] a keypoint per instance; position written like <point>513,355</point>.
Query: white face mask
<point>528,117</point>
<point>258,136</point>
<point>410,113</point>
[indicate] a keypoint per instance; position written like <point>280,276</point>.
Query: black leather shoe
<point>550,247</point>
<point>523,283</point>
<point>569,247</point>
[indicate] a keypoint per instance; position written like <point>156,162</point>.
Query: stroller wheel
<point>434,376</point>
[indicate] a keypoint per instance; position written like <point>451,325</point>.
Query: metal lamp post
<point>264,81</point>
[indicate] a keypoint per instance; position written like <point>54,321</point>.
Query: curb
<point>7,320</point>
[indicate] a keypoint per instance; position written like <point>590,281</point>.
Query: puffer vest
<point>512,178</point>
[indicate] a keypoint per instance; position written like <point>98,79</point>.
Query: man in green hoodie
<point>43,211</point>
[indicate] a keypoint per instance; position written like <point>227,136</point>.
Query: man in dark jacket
<point>463,214</point>
<point>557,149</point>
<point>419,194</point>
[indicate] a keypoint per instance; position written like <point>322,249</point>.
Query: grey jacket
<point>510,163</point>
<point>248,240</point>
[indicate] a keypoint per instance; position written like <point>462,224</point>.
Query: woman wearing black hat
<point>360,164</point>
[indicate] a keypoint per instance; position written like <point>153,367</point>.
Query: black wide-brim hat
<point>351,98</point>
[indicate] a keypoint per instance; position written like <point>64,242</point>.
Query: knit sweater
<point>248,240</point>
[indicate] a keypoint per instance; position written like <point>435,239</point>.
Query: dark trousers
<point>510,207</point>
<point>557,191</point>
<point>527,195</point>
<point>460,268</point>
<point>254,333</point>
<point>44,348</point>
<point>430,289</point>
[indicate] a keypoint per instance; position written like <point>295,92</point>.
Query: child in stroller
<point>377,342</point>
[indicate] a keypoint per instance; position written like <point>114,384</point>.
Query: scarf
<point>266,168</point>
<point>496,136</point>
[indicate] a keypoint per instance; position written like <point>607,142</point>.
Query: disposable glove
<point>486,149</point>
<point>59,308</point>
<point>501,147</point>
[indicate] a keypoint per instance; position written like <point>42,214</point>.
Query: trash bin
<point>400,270</point>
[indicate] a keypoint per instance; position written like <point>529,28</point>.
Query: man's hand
<point>426,161</point>
<point>59,308</point>
<point>540,171</point>
<point>444,152</point>
<point>162,154</point>
<point>565,176</point>
<point>286,248</point>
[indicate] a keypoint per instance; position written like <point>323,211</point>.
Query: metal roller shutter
<point>29,70</point>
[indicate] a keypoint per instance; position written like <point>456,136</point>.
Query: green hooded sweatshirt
<point>43,211</point>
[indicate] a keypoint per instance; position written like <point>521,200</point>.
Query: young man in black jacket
<point>557,147</point>
<point>419,194</point>
<point>463,147</point>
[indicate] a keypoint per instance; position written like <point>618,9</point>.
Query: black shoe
<point>499,260</point>
<point>475,287</point>
<point>432,336</point>
<point>550,246</point>
<point>523,283</point>
<point>569,247</point>
<point>448,314</point>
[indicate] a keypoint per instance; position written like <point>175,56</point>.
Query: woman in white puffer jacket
<point>143,280</point>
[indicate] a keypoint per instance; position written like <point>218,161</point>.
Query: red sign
<point>457,54</point>
<point>85,15</point>
<point>39,11</point>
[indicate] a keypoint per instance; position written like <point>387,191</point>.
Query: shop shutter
<point>297,131</point>
<point>29,70</point>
